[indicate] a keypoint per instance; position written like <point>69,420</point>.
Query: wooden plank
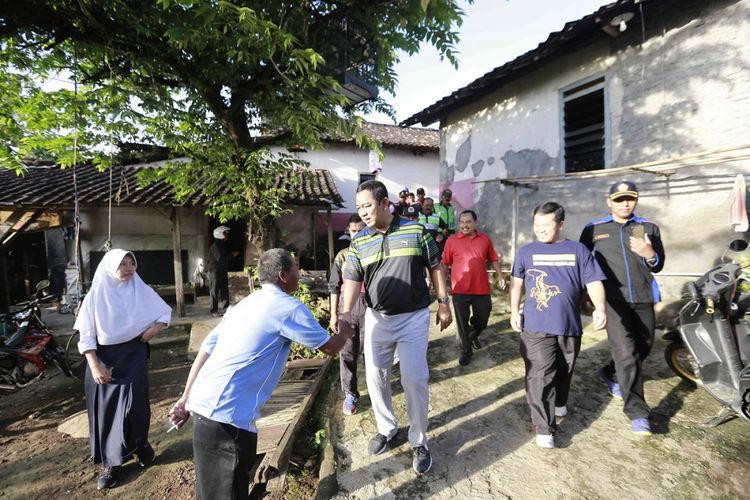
<point>176,248</point>
<point>8,220</point>
<point>276,483</point>
<point>20,226</point>
<point>307,363</point>
<point>298,395</point>
<point>329,221</point>
<point>269,437</point>
<point>314,227</point>
<point>281,455</point>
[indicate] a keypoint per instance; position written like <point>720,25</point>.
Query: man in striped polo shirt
<point>390,256</point>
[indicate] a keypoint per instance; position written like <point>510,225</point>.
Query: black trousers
<point>354,346</point>
<point>630,330</point>
<point>549,361</point>
<point>119,412</point>
<point>223,455</point>
<point>218,284</point>
<point>472,313</point>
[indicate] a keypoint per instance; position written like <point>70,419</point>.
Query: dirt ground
<point>481,436</point>
<point>36,461</point>
<point>483,446</point>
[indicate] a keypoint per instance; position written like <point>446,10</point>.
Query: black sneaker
<point>421,459</point>
<point>108,478</point>
<point>378,444</point>
<point>476,344</point>
<point>464,359</point>
<point>146,455</point>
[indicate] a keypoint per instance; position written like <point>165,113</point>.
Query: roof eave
<point>572,36</point>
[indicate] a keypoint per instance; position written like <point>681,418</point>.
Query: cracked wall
<point>685,90</point>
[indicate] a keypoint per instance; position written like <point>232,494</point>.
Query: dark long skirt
<point>119,412</point>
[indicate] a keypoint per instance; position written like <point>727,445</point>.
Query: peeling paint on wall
<point>530,162</point>
<point>463,154</point>
<point>494,208</point>
<point>476,167</point>
<point>447,173</point>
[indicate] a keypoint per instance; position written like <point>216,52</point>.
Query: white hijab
<point>116,311</point>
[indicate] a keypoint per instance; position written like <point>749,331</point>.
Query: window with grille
<point>584,126</point>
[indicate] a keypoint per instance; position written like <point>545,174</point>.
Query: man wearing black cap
<point>629,249</point>
<point>412,212</point>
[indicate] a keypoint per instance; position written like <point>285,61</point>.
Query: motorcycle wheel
<point>75,360</point>
<point>679,359</point>
<point>55,354</point>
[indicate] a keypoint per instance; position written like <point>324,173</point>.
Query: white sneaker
<point>545,441</point>
<point>561,411</point>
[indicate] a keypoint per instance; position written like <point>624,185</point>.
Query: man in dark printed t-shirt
<point>555,273</point>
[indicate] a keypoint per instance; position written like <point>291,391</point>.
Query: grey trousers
<point>549,361</point>
<point>406,335</point>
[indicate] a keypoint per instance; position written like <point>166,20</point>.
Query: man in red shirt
<point>467,254</point>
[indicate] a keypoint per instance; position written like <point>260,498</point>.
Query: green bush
<point>319,306</point>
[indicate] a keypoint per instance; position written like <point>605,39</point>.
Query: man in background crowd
<point>353,347</point>
<point>447,213</point>
<point>217,267</point>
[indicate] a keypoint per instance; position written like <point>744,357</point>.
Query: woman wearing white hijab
<point>118,317</point>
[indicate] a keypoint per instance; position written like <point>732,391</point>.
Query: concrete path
<point>483,445</point>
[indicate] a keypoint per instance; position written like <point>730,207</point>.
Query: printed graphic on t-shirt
<point>560,259</point>
<point>541,292</point>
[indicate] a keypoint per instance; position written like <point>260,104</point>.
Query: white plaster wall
<point>400,168</point>
<point>684,91</point>
<point>142,228</point>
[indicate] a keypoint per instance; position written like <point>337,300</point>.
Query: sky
<point>493,32</point>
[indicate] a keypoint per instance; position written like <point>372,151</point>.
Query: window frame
<point>562,99</point>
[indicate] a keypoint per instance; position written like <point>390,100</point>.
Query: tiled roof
<point>52,187</point>
<point>424,139</point>
<point>573,35</point>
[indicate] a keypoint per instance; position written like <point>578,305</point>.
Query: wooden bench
<point>168,291</point>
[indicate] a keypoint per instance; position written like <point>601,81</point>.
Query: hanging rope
<point>108,243</point>
<point>76,219</point>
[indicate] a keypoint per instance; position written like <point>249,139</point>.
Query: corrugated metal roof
<point>52,187</point>
<point>570,37</point>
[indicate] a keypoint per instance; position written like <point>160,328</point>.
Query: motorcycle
<point>27,346</point>
<point>713,349</point>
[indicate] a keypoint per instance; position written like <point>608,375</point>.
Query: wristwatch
<point>443,300</point>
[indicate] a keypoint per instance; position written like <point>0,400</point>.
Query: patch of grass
<point>300,486</point>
